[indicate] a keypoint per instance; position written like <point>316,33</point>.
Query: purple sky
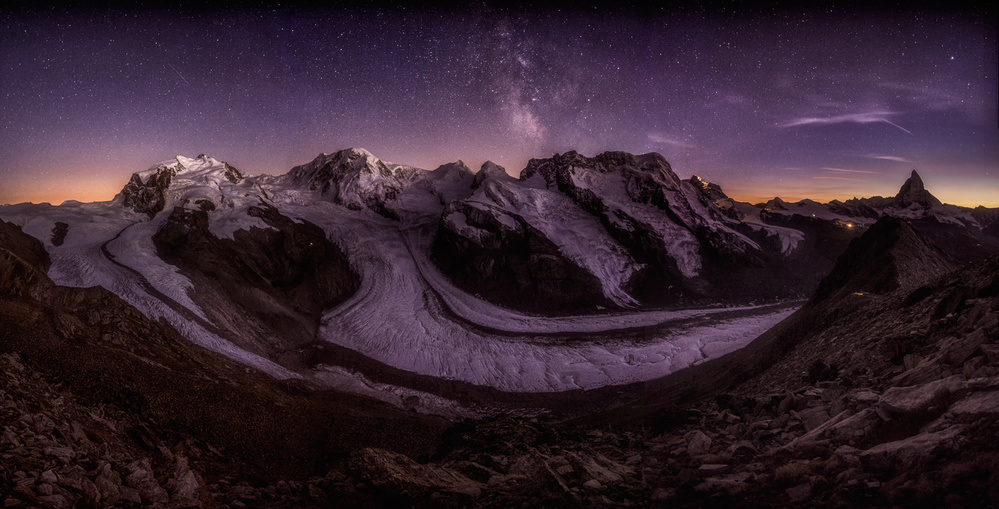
<point>822,104</point>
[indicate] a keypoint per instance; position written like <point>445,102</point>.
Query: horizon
<point>108,192</point>
<point>796,103</point>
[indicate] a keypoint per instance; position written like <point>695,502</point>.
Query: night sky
<point>821,104</point>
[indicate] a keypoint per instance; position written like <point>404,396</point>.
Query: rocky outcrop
<point>713,194</point>
<point>149,196</point>
<point>355,179</point>
<point>267,286</point>
<point>103,407</point>
<point>147,192</point>
<point>913,192</point>
<point>889,255</point>
<point>653,238</point>
<point>963,233</point>
<point>838,422</point>
<point>501,256</point>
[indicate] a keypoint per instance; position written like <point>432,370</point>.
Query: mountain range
<point>598,331</point>
<point>351,272</point>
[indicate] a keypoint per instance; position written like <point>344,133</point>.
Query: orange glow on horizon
<point>84,189</point>
<point>988,198</point>
<point>104,185</point>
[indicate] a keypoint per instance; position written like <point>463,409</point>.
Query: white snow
<point>406,314</point>
<point>401,316</point>
<point>578,234</point>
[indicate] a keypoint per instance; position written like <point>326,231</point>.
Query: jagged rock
<point>185,486</point>
<point>742,447</point>
<point>849,455</point>
<point>981,403</point>
<point>814,417</point>
<point>911,452</point>
<point>108,483</point>
<point>54,502</point>
<point>992,352</point>
<point>599,467</point>
<point>393,471</point>
<point>131,495</point>
<point>141,478</point>
<point>921,398</point>
<point>63,454</point>
<point>698,443</point>
<point>913,192</point>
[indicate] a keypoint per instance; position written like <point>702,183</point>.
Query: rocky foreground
<point>880,393</point>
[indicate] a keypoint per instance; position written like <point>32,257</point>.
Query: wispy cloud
<point>850,118</point>
<point>844,170</point>
<point>667,140</point>
<point>888,158</point>
<point>836,178</point>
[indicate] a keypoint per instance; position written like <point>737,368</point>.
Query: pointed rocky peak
<point>713,192</point>
<point>914,192</point>
<point>489,169</point>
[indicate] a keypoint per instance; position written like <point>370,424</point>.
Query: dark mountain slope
<point>874,400</point>
<point>119,388</point>
<point>265,287</point>
<point>890,255</point>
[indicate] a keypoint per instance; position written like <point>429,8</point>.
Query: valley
<point>596,332</point>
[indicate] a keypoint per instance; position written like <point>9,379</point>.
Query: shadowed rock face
<point>267,285</point>
<point>889,255</point>
<point>516,267</point>
<point>148,197</point>
<point>914,192</point>
<point>682,241</point>
<point>102,406</point>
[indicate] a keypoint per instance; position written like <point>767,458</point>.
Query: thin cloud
<point>837,178</point>
<point>666,140</point>
<point>888,158</point>
<point>851,118</point>
<point>844,170</point>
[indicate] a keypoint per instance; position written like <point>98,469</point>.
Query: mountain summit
<point>913,192</point>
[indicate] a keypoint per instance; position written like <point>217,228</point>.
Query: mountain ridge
<point>481,278</point>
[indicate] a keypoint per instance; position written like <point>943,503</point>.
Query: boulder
<point>980,403</point>
<point>920,398</point>
<point>698,443</point>
<point>387,470</point>
<point>912,452</point>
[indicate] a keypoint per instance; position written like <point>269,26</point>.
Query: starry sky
<point>793,103</point>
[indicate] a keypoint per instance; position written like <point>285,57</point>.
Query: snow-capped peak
<point>775,204</point>
<point>146,192</point>
<point>339,165</point>
<point>457,169</point>
<point>489,169</point>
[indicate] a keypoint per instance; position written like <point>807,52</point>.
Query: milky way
<point>821,104</point>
